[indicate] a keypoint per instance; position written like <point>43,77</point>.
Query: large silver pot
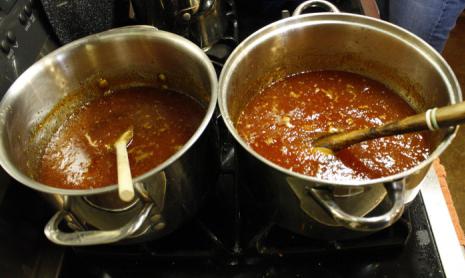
<point>140,55</point>
<point>337,41</point>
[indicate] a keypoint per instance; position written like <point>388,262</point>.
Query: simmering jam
<point>81,154</point>
<point>280,122</point>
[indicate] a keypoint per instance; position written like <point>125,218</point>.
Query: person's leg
<point>432,20</point>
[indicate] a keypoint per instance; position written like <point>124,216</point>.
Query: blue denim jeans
<point>432,20</point>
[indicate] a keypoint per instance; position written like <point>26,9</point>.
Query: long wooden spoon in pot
<point>432,119</point>
<point>125,186</point>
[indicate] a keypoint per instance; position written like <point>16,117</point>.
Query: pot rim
<point>305,20</point>
<point>139,31</point>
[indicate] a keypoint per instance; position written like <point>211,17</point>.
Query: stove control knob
<point>5,46</point>
<point>11,37</point>
<point>28,9</point>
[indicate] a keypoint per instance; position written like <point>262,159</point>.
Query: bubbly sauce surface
<point>280,122</point>
<point>81,154</point>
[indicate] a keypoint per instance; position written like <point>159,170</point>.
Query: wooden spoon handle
<point>125,187</point>
<point>434,119</point>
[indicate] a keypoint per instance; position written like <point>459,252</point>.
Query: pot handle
<point>395,191</point>
<point>83,238</point>
<point>315,3</point>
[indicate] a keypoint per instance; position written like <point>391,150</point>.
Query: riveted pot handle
<point>315,3</point>
<point>83,238</point>
<point>395,191</point>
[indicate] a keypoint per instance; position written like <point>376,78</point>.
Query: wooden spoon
<point>432,119</point>
<point>125,186</point>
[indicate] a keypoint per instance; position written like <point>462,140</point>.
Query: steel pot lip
<point>144,32</point>
<point>301,21</point>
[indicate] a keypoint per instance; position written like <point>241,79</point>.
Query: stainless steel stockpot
<point>139,55</point>
<point>336,41</point>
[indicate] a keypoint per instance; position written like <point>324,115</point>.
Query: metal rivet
<point>11,37</point>
<point>28,9</point>
<point>22,18</point>
<point>160,226</point>
<point>285,14</point>
<point>5,46</point>
<point>155,218</point>
<point>186,16</point>
<point>73,226</point>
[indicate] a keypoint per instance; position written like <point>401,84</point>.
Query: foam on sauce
<point>81,155</point>
<point>281,121</point>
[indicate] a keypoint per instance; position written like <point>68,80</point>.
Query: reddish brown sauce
<point>81,154</point>
<point>280,122</point>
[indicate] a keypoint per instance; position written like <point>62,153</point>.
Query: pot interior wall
<point>63,81</point>
<point>333,43</point>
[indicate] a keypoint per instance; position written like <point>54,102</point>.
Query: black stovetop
<point>407,249</point>
<point>218,243</point>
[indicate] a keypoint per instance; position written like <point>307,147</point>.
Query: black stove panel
<point>24,38</point>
